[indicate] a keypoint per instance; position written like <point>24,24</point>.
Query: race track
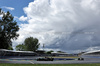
<point>30,61</point>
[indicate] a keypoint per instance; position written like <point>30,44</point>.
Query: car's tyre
<point>82,58</point>
<point>79,59</point>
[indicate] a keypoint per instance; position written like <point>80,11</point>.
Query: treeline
<point>30,44</point>
<point>8,32</point>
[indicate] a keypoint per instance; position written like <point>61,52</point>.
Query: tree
<point>8,30</point>
<point>32,44</point>
<point>10,48</point>
<point>60,52</point>
<point>49,52</point>
<point>20,47</point>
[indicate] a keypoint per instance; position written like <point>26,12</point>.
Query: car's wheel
<point>79,59</point>
<point>82,58</point>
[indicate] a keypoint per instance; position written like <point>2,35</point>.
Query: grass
<point>49,64</point>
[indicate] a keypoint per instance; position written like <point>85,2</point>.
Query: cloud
<point>22,18</point>
<point>66,25</point>
<point>1,16</point>
<point>9,8</point>
<point>16,18</point>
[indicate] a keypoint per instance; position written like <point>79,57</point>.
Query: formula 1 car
<point>45,59</point>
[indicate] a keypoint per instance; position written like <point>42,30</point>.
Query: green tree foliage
<point>20,47</point>
<point>10,48</point>
<point>8,29</point>
<point>32,44</point>
<point>49,52</point>
<point>60,52</point>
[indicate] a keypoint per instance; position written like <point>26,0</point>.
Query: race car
<point>45,59</point>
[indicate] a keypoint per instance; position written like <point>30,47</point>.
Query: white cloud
<point>1,16</point>
<point>16,18</point>
<point>9,8</point>
<point>22,18</point>
<point>58,24</point>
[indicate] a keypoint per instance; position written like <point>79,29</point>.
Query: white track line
<point>31,62</point>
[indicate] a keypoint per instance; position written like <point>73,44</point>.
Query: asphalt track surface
<point>32,61</point>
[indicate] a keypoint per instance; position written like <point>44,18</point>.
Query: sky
<point>61,25</point>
